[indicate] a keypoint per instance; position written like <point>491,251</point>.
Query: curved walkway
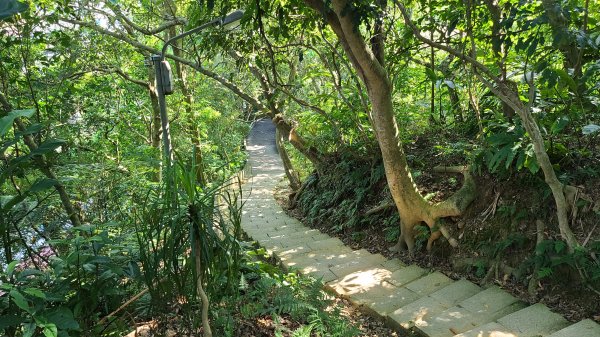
<point>405,296</point>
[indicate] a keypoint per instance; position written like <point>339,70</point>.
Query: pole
<point>160,89</point>
<point>164,119</point>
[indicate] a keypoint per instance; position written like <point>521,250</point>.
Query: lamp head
<point>231,21</point>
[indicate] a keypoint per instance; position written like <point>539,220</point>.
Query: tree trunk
<point>412,207</point>
<point>291,174</point>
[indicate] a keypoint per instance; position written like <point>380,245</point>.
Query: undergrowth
<point>288,304</point>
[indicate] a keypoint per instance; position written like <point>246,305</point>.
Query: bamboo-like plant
<point>189,237</point>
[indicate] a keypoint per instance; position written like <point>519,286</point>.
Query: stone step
<point>421,311</point>
<point>406,275</point>
<point>344,266</point>
<point>327,243</point>
<point>585,328</point>
<point>484,307</point>
<point>492,329</point>
<point>409,293</point>
<point>535,320</point>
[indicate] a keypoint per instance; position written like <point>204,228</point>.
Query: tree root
<point>455,205</point>
<point>532,286</point>
<point>380,208</point>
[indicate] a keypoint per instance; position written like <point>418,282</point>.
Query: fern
<point>303,331</point>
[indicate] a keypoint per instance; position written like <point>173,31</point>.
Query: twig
<point>124,305</point>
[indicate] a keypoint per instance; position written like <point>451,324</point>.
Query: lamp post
<point>164,78</point>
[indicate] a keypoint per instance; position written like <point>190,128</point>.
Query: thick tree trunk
<point>412,207</point>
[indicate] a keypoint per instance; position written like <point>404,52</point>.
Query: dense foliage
<point>508,88</point>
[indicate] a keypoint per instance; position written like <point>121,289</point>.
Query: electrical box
<point>167,77</point>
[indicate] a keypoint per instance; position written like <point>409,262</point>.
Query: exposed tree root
<point>455,205</point>
<point>380,208</point>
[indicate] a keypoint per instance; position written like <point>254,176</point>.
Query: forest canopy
<point>369,99</point>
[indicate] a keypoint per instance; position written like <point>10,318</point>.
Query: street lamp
<point>164,77</point>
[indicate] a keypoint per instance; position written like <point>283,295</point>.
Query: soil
<point>503,207</point>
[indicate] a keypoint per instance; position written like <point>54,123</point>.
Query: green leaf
<point>38,186</point>
<point>430,74</point>
<point>558,125</point>
<point>11,268</point>
<point>35,292</point>
<point>7,121</point>
<point>33,128</point>
<point>532,164</point>
<point>50,330</point>
<point>9,8</point>
<point>29,329</point>
<point>63,318</point>
<point>589,129</point>
<point>48,146</point>
<point>564,76</point>
<point>42,184</point>
<point>20,300</point>
<point>544,272</point>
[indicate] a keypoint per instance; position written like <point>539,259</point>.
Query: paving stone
<point>429,283</point>
<point>485,307</point>
<point>299,233</point>
<point>489,300</point>
<point>535,320</point>
<point>324,275</point>
<point>273,246</point>
<point>457,291</point>
<point>452,321</point>
<point>327,243</point>
<point>416,313</point>
<point>345,254</point>
<point>364,281</point>
<point>304,263</point>
<point>489,330</point>
<point>585,328</point>
<point>393,264</point>
<point>398,298</point>
<point>344,267</point>
<point>382,301</point>
<point>422,310</point>
<point>336,253</point>
<point>406,275</point>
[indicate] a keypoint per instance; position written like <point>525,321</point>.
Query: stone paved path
<point>405,296</point>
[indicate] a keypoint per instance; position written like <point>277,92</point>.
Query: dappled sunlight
<point>361,281</point>
<point>491,330</point>
<point>420,317</point>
